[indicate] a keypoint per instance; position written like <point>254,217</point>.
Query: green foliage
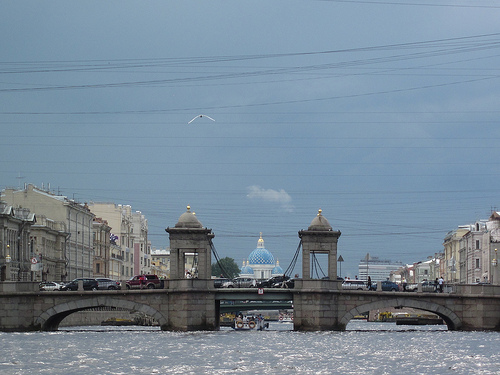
<point>229,265</point>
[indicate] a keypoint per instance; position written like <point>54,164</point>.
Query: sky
<point>383,114</point>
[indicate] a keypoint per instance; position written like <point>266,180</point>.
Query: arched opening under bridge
<point>50,319</point>
<point>451,320</point>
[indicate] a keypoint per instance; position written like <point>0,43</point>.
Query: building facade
<point>160,262</point>
<point>102,248</point>
<point>378,269</point>
<point>262,263</point>
<point>128,234</point>
<point>452,256</point>
<point>15,245</point>
<point>142,247</point>
<point>48,241</point>
<point>77,222</point>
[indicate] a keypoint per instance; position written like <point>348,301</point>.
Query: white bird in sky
<point>199,117</point>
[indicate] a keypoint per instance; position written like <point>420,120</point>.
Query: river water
<point>364,348</point>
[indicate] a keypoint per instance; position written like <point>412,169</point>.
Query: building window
<point>477,244</point>
<point>477,262</point>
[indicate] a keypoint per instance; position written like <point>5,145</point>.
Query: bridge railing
<point>478,289</point>
<point>19,286</point>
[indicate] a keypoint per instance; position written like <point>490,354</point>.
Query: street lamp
<point>340,260</point>
<point>494,263</point>
<point>8,259</point>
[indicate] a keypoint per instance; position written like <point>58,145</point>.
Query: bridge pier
<point>315,306</point>
<point>191,294</point>
<point>191,306</point>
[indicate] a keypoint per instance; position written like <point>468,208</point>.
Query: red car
<point>148,281</point>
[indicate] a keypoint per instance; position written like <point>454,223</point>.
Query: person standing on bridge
<point>369,283</point>
<point>441,284</point>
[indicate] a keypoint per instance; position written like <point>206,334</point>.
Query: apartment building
<point>71,219</point>
<point>128,234</point>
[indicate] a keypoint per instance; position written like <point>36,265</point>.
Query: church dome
<point>188,220</point>
<point>246,269</point>
<point>261,255</point>
<point>320,222</point>
<point>277,270</point>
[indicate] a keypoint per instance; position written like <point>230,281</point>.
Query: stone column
<point>191,301</point>
<point>315,306</point>
<point>319,238</point>
<point>188,236</point>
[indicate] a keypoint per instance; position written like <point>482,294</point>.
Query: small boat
<point>249,323</point>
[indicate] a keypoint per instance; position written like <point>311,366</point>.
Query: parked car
<point>228,284</point>
<point>219,282</point>
<point>49,285</point>
<point>354,285</point>
<point>427,287</point>
<point>244,282</point>
<point>108,284</point>
<point>387,286</point>
<point>287,283</point>
<point>272,282</point>
<point>88,284</point>
<point>149,282</point>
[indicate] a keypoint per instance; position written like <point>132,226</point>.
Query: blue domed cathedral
<point>261,263</point>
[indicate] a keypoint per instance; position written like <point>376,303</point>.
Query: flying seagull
<point>199,117</point>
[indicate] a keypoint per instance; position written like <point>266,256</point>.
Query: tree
<point>229,268</point>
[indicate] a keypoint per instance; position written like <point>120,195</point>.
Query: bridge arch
<point>450,318</point>
<point>50,319</point>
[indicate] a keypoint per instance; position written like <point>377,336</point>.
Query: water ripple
<point>361,350</point>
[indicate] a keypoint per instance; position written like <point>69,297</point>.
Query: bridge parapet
<point>314,284</point>
<point>189,284</point>
<point>478,289</point>
<point>19,286</point>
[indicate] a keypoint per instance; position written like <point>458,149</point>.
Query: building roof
<point>188,220</point>
<point>246,269</point>
<point>277,270</point>
<point>261,255</point>
<point>320,222</point>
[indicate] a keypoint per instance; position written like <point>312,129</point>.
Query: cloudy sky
<point>384,114</point>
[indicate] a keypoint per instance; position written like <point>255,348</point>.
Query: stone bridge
<point>194,304</point>
<point>470,307</point>
<point>189,305</point>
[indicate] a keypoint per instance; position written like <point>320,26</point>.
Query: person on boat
<point>260,322</point>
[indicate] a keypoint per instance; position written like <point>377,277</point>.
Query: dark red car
<point>148,282</point>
